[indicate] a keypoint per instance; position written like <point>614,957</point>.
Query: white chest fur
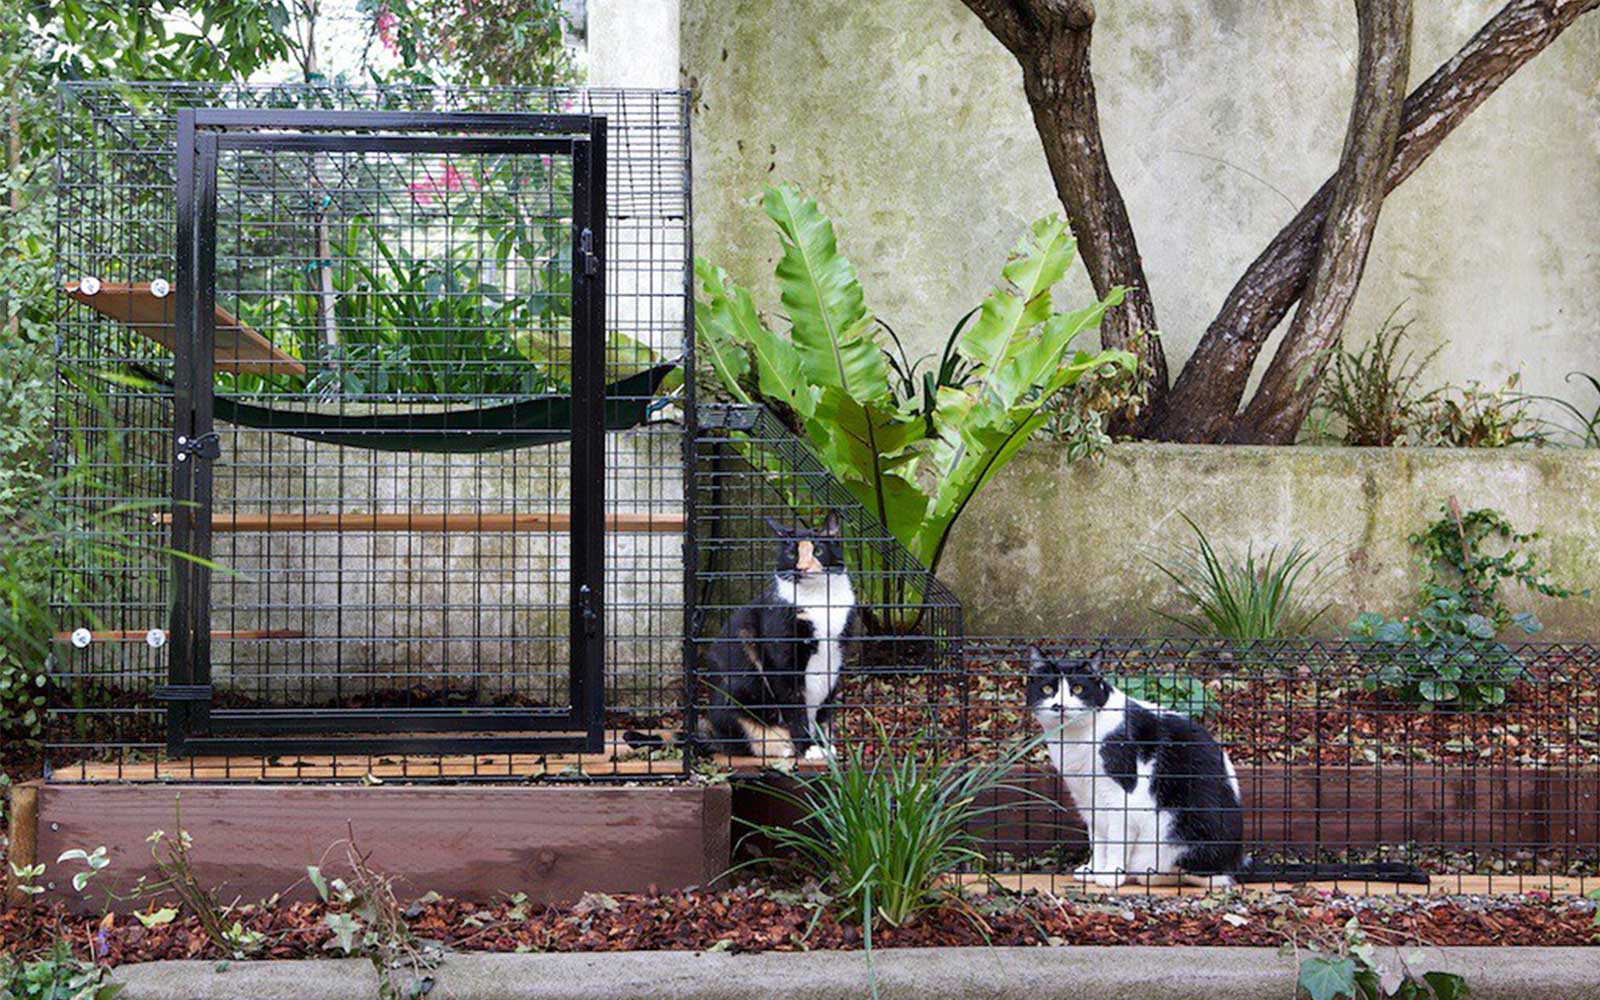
<point>825,600</point>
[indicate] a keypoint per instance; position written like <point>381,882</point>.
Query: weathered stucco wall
<point>1054,547</point>
<point>1221,116</point>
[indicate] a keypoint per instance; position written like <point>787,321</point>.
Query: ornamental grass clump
<point>1244,599</point>
<point>885,836</point>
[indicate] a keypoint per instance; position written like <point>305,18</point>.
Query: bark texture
<point>1050,40</point>
<point>1290,384</point>
<point>1203,402</point>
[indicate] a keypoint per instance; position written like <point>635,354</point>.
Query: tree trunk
<point>1205,399</point>
<point>1286,392</point>
<point>1051,41</point>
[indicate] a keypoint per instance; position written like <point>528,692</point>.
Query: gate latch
<point>591,260</point>
<point>207,446</point>
<point>591,619</point>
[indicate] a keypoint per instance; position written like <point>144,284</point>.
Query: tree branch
<point>1051,41</point>
<point>1284,397</point>
<point>1203,402</point>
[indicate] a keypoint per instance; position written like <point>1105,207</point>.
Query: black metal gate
<point>364,223</point>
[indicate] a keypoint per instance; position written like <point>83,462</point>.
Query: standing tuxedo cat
<point>1158,793</point>
<point>774,672</point>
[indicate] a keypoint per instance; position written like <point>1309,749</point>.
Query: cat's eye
<point>1077,689</point>
<point>1049,689</point>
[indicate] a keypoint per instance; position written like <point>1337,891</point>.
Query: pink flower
<point>424,191</point>
<point>387,19</point>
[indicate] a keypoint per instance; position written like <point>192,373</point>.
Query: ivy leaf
<point>317,881</point>
<point>1445,985</point>
<point>345,928</point>
<point>1328,978</point>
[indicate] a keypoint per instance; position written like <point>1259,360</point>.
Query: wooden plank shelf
<point>222,635</point>
<point>431,522</point>
<point>238,347</point>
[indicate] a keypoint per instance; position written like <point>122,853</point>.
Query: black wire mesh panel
<point>752,475</point>
<point>1356,762</point>
<point>392,392</point>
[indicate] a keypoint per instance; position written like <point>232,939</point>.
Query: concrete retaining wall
<point>1052,546</point>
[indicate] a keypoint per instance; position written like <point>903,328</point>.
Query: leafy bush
<point>1244,600</point>
<point>1373,391</point>
<point>1474,416</point>
<point>60,976</point>
<point>1345,964</point>
<point>914,450</point>
<point>1448,652</point>
<point>884,835</point>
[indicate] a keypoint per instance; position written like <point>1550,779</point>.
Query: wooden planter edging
<point>1298,810</point>
<point>466,841</point>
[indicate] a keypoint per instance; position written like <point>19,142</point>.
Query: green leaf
<point>823,300</point>
<point>318,883</point>
<point>1022,300</point>
<point>1328,978</point>
<point>165,915</point>
<point>1445,985</point>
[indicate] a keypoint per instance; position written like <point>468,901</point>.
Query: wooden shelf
<point>134,635</point>
<point>432,522</point>
<point>238,347</point>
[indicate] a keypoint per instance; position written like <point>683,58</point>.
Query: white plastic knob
<point>81,637</point>
<point>89,285</point>
<point>159,288</point>
<point>155,638</point>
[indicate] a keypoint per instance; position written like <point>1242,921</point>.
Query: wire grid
<point>403,284</point>
<point>752,472</point>
<point>1347,772</point>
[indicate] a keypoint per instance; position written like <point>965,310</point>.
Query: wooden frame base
<point>251,842</point>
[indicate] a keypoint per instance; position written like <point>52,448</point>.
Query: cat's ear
<point>1093,664</point>
<point>778,530</point>
<point>830,525</point>
<point>1036,660</point>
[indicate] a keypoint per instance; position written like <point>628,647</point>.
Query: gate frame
<point>193,728</point>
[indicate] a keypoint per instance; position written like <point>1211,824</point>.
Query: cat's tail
<point>1375,871</point>
<point>637,740</point>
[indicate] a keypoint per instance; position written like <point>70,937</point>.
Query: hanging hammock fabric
<point>525,423</point>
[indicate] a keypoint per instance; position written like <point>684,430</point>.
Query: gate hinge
<point>591,260</point>
<point>207,446</point>
<point>181,692</point>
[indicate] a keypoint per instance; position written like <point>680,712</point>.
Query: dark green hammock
<point>525,423</point>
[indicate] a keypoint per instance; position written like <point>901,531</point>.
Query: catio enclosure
<point>373,425</point>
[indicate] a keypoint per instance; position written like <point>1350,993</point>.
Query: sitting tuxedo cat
<point>773,673</point>
<point>1158,793</point>
<point>776,666</point>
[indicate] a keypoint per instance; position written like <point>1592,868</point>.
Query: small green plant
<point>1173,691</point>
<point>1347,965</point>
<point>366,918</point>
<point>1586,426</point>
<point>1372,392</point>
<point>1244,600</point>
<point>883,836</point>
<point>1448,652</point>
<point>58,976</point>
<point>94,862</point>
<point>1475,416</point>
<point>25,878</point>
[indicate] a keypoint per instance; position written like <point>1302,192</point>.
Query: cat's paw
<point>817,752</point>
<point>1110,880</point>
<point>781,749</point>
<point>1084,871</point>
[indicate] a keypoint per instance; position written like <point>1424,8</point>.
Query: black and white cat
<point>1158,793</point>
<point>774,672</point>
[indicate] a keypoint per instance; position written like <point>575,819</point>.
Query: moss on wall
<point>1053,546</point>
